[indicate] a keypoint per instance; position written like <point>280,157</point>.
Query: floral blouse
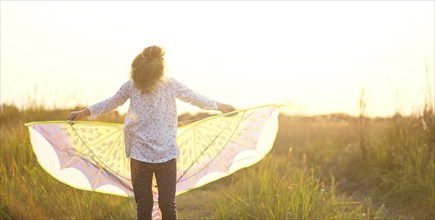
<point>150,126</point>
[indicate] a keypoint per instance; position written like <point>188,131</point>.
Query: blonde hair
<point>147,68</point>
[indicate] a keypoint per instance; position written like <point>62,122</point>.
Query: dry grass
<point>316,169</point>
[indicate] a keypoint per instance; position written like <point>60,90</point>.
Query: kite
<point>91,156</point>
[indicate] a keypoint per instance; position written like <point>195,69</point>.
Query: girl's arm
<point>187,95</point>
<point>105,106</point>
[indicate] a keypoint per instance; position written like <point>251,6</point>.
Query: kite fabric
<point>91,156</point>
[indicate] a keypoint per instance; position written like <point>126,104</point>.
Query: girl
<point>150,128</point>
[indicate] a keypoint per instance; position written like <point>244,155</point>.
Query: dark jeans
<point>142,175</point>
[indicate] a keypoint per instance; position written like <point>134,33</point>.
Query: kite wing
<point>218,146</point>
<point>91,155</point>
<point>84,155</point>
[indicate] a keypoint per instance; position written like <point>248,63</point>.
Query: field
<point>321,167</point>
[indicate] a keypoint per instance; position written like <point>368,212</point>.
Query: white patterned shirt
<point>150,126</point>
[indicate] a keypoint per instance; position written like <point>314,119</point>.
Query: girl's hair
<point>147,68</point>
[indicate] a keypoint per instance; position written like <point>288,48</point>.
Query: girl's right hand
<point>77,115</point>
<point>224,108</point>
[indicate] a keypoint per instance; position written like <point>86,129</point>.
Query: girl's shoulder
<point>128,84</point>
<point>170,81</point>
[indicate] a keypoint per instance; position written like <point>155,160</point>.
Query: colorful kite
<point>91,156</point>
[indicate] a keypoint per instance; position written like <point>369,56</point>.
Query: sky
<point>313,56</point>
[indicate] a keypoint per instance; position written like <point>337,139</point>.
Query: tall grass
<point>400,162</point>
<point>401,168</point>
<point>391,160</point>
<point>315,170</point>
<point>275,190</point>
<point>397,168</point>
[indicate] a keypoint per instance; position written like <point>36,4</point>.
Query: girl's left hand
<point>77,115</point>
<point>224,108</point>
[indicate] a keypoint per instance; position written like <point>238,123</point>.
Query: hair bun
<point>153,52</point>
